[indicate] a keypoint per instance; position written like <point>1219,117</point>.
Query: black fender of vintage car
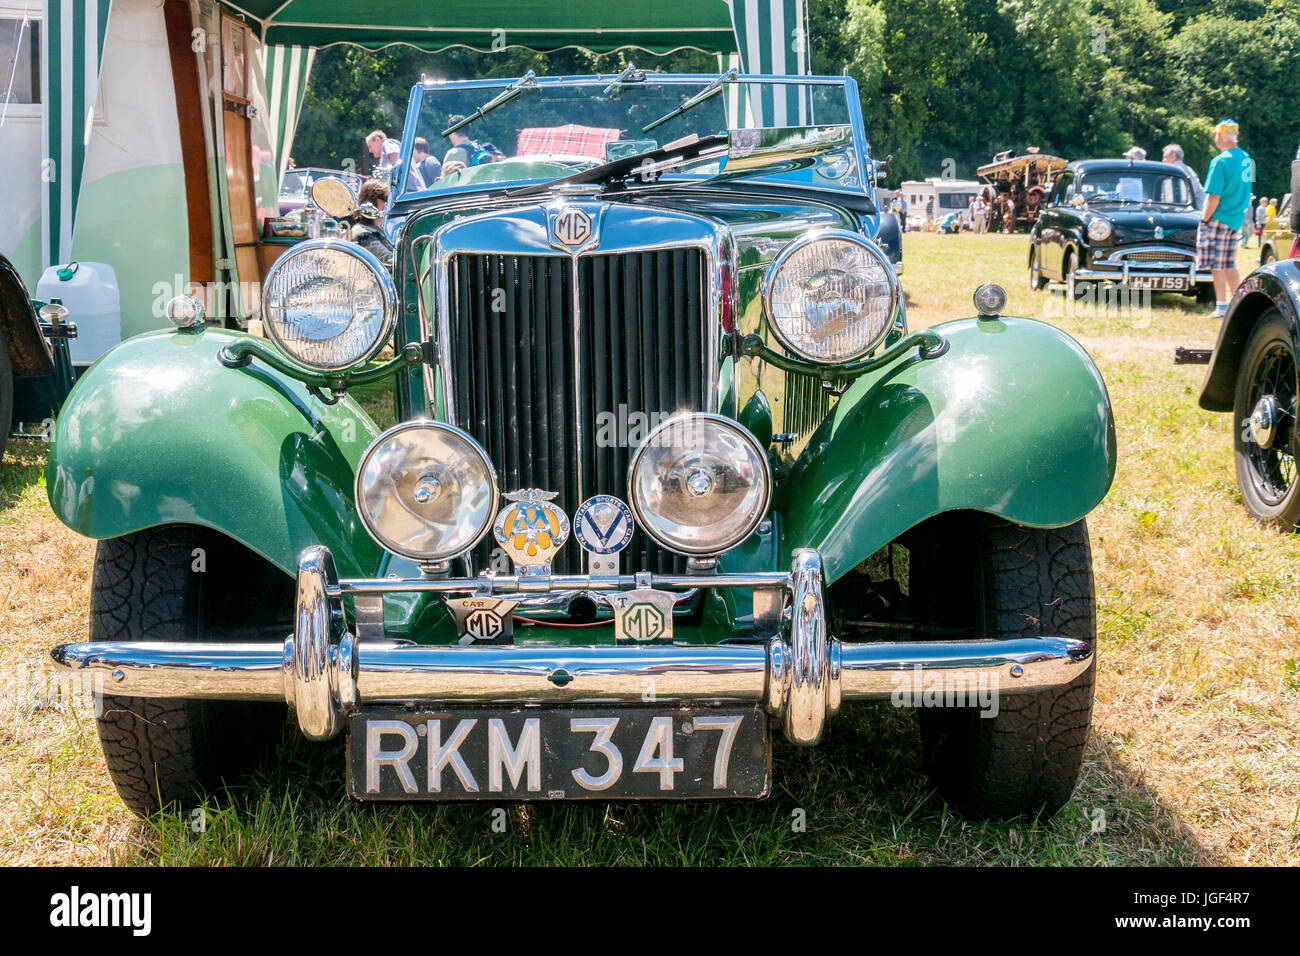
<point>1274,286</point>
<point>1012,419</point>
<point>20,326</point>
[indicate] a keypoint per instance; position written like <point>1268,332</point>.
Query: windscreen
<point>1132,185</point>
<point>560,127</point>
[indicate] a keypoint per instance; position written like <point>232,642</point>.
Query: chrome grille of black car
<point>1156,255</point>
<point>637,339</point>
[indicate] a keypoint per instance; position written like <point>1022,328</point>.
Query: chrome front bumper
<point>1118,267</point>
<point>793,666</point>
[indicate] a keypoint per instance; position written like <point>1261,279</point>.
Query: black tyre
<point>1267,255</point>
<point>1037,281</point>
<point>162,752</point>
<point>1265,419</point>
<point>6,394</point>
<point>1073,288</point>
<point>1010,582</point>
<point>1205,293</point>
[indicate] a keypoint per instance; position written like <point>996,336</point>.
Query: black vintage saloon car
<point>1118,221</point>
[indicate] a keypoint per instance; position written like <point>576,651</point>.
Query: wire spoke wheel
<point>1266,439</point>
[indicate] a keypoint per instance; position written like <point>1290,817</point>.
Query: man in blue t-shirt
<point>1227,194</point>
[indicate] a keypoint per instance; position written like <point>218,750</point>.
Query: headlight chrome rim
<point>387,290</point>
<point>794,246</point>
<point>649,442</point>
<point>419,424</point>
<point>1100,229</point>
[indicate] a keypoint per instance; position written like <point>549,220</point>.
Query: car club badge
<point>530,529</point>
<point>603,526</point>
<point>644,615</point>
<point>483,620</point>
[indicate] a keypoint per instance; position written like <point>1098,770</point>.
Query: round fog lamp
<point>699,484</point>
<point>426,491</point>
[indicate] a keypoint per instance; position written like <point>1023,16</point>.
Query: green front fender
<point>1013,419</point>
<point>158,432</point>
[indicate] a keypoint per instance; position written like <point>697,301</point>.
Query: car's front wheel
<point>1265,420</point>
<point>1266,255</point>
<point>1002,581</point>
<point>1073,287</point>
<point>1037,282</point>
<point>165,584</point>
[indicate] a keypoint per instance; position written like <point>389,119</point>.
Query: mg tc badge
<point>603,526</point>
<point>643,616</point>
<point>571,227</point>
<point>530,529</point>
<point>483,620</point>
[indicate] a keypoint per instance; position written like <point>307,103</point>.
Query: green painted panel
<point>158,431</point>
<point>1013,419</point>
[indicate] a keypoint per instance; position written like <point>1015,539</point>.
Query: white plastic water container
<point>90,293</point>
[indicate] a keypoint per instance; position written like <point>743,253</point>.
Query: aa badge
<point>530,529</point>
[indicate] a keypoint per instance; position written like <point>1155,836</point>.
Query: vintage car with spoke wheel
<point>1118,223</point>
<point>671,480</point>
<point>1253,375</point>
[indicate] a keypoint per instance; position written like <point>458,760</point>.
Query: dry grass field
<point>1194,757</point>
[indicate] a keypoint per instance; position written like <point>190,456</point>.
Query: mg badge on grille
<point>530,529</point>
<point>643,616</point>
<point>1159,233</point>
<point>603,525</point>
<point>571,226</point>
<point>483,620</point>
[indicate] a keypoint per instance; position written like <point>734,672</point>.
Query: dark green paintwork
<point>1013,419</point>
<point>160,432</point>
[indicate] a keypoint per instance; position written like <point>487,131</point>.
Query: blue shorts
<point>1216,246</point>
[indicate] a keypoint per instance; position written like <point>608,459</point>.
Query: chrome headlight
<point>426,491</point>
<point>830,296</point>
<point>1099,230</point>
<point>699,484</point>
<point>329,304</point>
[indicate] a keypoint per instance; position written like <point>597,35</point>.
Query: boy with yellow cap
<point>1227,194</point>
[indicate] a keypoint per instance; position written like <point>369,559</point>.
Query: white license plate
<point>560,754</point>
<point>1159,283</point>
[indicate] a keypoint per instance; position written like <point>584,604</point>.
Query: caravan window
<point>20,60</point>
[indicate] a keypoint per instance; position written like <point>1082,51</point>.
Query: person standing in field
<point>1261,220</point>
<point>1173,155</point>
<point>1227,194</point>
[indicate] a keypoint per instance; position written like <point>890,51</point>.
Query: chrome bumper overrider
<point>793,666</point>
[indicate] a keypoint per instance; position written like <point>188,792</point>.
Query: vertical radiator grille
<point>537,381</point>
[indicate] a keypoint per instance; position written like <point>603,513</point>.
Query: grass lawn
<point>1194,756</point>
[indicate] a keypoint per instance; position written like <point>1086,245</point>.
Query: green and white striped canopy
<point>72,50</point>
<point>286,69</point>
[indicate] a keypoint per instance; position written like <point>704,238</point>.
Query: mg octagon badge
<point>571,227</point>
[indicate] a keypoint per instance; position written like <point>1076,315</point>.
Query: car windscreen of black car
<point>1131,185</point>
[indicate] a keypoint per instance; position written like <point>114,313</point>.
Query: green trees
<point>946,83</point>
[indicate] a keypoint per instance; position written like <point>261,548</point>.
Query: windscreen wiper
<point>629,75</point>
<point>524,84</point>
<point>654,161</point>
<point>710,91</point>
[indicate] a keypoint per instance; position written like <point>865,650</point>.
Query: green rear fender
<point>158,432</point>
<point>1013,419</point>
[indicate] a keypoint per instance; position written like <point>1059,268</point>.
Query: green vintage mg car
<point>671,477</point>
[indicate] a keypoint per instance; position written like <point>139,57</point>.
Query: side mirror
<point>334,197</point>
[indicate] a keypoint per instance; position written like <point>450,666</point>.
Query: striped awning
<point>72,51</point>
<point>286,69</point>
<point>772,37</point>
